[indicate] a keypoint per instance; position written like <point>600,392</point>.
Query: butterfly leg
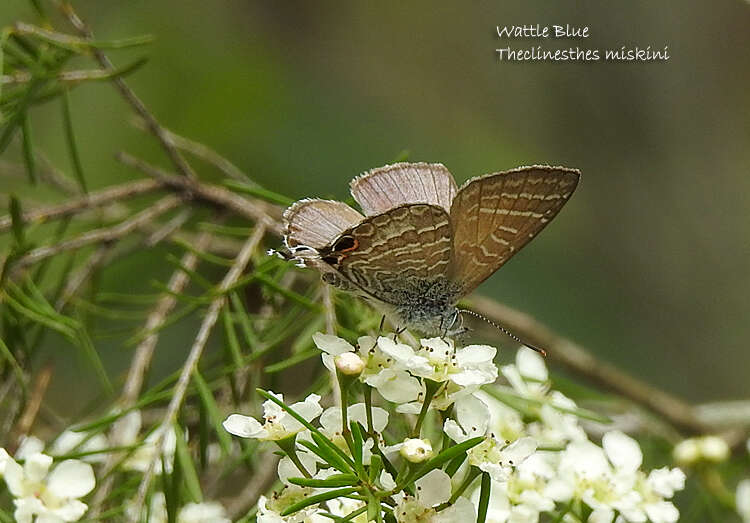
<point>398,332</point>
<point>382,322</point>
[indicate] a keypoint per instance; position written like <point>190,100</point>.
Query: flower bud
<point>714,449</point>
<point>706,448</point>
<point>349,364</point>
<point>416,450</point>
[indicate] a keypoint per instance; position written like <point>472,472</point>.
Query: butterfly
<point>423,243</point>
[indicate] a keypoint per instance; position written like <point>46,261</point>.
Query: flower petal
<point>622,450</point>
<point>37,466</point>
<point>433,488</point>
<point>332,345</point>
<point>71,479</point>
<point>244,426</point>
<point>475,355</point>
<point>531,364</point>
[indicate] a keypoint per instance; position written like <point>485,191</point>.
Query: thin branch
<point>578,360</point>
<point>102,235</point>
<point>203,152</point>
<point>261,212</point>
<point>178,395</point>
<point>79,204</point>
<point>41,383</point>
<point>179,162</point>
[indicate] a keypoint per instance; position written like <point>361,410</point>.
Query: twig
<point>41,383</point>
<point>262,478</point>
<point>260,212</point>
<point>578,360</point>
<point>102,235</point>
<point>179,162</point>
<point>203,152</point>
<point>106,196</point>
<point>178,395</point>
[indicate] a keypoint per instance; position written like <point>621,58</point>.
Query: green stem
<point>295,459</point>
<point>431,388</point>
<point>470,477</point>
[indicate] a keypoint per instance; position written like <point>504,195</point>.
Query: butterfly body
<point>424,244</point>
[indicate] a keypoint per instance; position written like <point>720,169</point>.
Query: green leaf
<point>358,444</point>
<point>17,224</point>
<point>337,480</point>
<point>70,139</point>
<point>313,500</point>
<point>28,149</point>
<point>259,192</point>
<point>484,498</point>
<point>332,457</point>
<point>207,399</point>
<point>235,351</point>
<point>187,466</point>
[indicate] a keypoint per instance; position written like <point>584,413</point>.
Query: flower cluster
<point>523,439</point>
<point>47,487</point>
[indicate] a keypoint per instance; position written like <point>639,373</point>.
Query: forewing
<point>495,215</point>
<point>397,254</point>
<point>315,223</point>
<point>382,189</point>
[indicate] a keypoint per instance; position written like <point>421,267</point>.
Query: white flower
<point>277,423</point>
<point>379,370</point>
<point>609,480</point>
<point>51,496</point>
<point>438,360</point>
<point>205,512</point>
<point>498,459</point>
<point>742,498</point>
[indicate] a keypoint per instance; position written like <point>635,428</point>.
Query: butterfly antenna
<point>506,332</point>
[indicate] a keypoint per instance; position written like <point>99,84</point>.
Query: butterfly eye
<point>345,244</point>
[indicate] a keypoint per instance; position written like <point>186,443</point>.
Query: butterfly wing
<point>495,215</point>
<point>395,256</point>
<point>382,189</point>
<point>315,223</point>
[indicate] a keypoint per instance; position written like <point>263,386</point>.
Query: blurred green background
<point>647,266</point>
